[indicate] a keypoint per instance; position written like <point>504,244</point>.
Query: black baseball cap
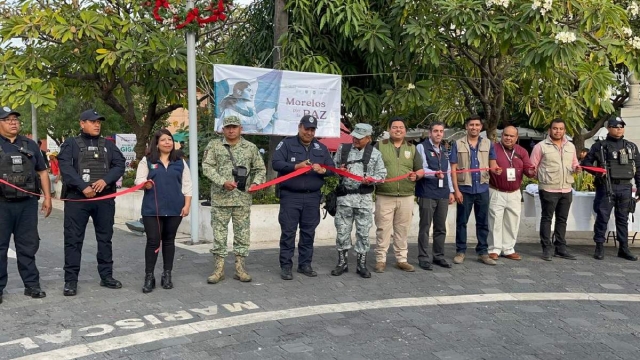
<point>5,111</point>
<point>91,114</point>
<point>309,121</point>
<point>615,121</point>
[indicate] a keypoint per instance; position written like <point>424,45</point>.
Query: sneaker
<point>459,258</point>
<point>485,259</point>
<point>405,266</point>
<point>494,256</point>
<point>380,266</point>
<point>514,256</point>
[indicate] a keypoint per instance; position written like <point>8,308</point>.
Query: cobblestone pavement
<point>531,309</point>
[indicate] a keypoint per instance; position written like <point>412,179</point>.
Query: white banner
<point>271,102</point>
<point>126,143</point>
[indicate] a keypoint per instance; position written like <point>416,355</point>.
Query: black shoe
<point>625,253</point>
<point>35,292</point>
<point>343,265</point>
<point>307,270</point>
<point>0,298</point>
<point>111,283</point>
<point>285,273</point>
<point>564,254</point>
<point>442,262</point>
<point>165,281</point>
<point>546,254</point>
<point>361,269</point>
<point>425,265</point>
<point>599,254</point>
<point>70,288</point>
<point>149,283</point>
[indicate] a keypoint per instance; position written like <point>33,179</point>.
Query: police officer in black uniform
<point>620,157</point>
<point>300,197</point>
<point>90,166</point>
<point>22,165</point>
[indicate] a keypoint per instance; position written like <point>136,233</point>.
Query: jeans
<point>480,204</point>
<point>558,204</point>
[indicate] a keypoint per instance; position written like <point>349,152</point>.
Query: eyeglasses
<point>10,119</point>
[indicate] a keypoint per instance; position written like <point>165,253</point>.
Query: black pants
<point>76,217</point>
<point>432,211</point>
<point>21,220</point>
<point>160,230</point>
<point>298,209</point>
<point>602,206</point>
<point>559,204</point>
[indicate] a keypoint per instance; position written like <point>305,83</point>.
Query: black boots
<point>285,273</point>
<point>625,253</point>
<point>149,283</point>
<point>70,288</point>
<point>343,265</point>
<point>35,292</point>
<point>599,254</point>
<point>110,283</point>
<point>362,266</point>
<point>165,280</point>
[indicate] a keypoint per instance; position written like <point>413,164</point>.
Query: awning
<point>334,143</point>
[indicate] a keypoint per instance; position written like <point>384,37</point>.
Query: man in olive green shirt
<point>395,200</point>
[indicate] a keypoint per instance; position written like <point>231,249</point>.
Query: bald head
<point>509,137</point>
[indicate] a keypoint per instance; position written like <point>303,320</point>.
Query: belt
<point>506,191</point>
<point>620,182</point>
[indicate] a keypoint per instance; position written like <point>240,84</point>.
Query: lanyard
<point>438,153</point>
<point>510,158</point>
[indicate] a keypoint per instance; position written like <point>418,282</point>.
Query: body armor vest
<point>621,163</point>
<point>17,169</point>
<point>93,163</point>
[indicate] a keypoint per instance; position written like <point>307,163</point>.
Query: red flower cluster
<point>193,15</point>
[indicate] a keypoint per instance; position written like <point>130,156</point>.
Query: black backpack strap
<point>344,154</point>
<point>366,157</point>
<point>102,146</point>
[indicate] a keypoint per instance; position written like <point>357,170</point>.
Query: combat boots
<point>218,271</point>
<point>362,266</point>
<point>599,254</point>
<point>241,274</point>
<point>625,253</point>
<point>343,265</point>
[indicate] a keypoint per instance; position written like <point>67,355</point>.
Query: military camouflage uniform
<point>356,207</point>
<point>235,204</point>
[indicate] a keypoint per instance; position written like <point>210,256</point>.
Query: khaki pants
<point>504,221</point>
<point>393,216</point>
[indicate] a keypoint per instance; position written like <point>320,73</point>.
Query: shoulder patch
<point>316,146</point>
<point>279,146</point>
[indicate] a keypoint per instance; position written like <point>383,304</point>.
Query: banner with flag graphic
<point>271,102</point>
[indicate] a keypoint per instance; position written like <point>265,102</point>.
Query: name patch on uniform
<point>92,148</point>
<point>16,160</point>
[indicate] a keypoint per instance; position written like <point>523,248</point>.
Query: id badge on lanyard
<point>511,171</point>
<point>511,174</point>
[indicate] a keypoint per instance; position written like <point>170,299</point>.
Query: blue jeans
<point>480,204</point>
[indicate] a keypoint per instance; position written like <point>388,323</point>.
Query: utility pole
<point>193,131</point>
<point>280,27</point>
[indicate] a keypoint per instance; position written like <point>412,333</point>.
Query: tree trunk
<point>280,25</point>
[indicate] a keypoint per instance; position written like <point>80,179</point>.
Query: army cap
<point>231,120</point>
<point>91,115</point>
<point>361,130</point>
<point>5,111</point>
<point>615,122</point>
<point>309,121</point>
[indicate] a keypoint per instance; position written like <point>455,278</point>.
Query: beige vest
<point>555,170</point>
<point>464,160</point>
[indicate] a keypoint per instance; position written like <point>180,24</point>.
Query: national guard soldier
<point>613,188</point>
<point>232,164</point>
<point>300,197</point>
<point>22,165</point>
<point>355,202</point>
<point>90,166</point>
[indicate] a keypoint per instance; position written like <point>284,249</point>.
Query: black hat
<point>615,121</point>
<point>5,111</point>
<point>309,121</point>
<point>91,114</point>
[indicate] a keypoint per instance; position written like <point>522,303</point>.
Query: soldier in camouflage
<point>232,164</point>
<point>354,198</point>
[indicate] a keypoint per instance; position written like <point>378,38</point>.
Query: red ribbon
<point>110,196</point>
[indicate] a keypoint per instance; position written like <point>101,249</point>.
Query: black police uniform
<point>100,159</point>
<point>621,199</point>
<point>300,198</point>
<point>19,211</point>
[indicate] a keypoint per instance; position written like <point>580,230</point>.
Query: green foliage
<point>583,181</point>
